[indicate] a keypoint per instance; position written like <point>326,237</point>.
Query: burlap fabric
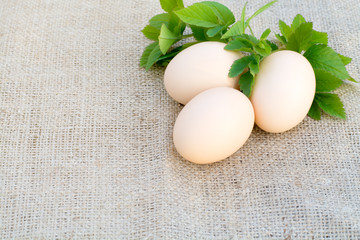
<point>86,148</point>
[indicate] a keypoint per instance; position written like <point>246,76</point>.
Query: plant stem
<point>252,33</point>
<point>187,36</point>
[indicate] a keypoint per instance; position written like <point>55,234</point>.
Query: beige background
<point>85,136</point>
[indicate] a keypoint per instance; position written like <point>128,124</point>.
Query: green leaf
<point>272,45</point>
<point>242,41</point>
<point>257,57</point>
<point>198,14</point>
<point>250,38</point>
<point>166,39</point>
<point>206,14</point>
<point>344,59</point>
<point>263,48</point>
<point>285,30</point>
<point>170,5</point>
<point>175,24</point>
<point>352,80</point>
<point>249,50</point>
<point>324,57</point>
<point>260,10</point>
<point>224,14</point>
<point>199,33</point>
<point>158,20</point>
<point>153,56</point>
<point>325,81</point>
<point>213,31</point>
<point>244,49</point>
<point>239,66</point>
<point>331,104</point>
<point>319,37</point>
<point>282,39</point>
<point>254,67</point>
<point>265,34</point>
<point>145,56</point>
<point>261,51</point>
<point>171,21</point>
<point>264,45</point>
<point>151,32</point>
<point>238,44</point>
<point>301,38</point>
<point>235,30</point>
<point>246,83</point>
<point>298,20</point>
<point>315,111</point>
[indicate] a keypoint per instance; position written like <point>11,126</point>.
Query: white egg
<point>199,67</point>
<point>283,92</point>
<point>213,125</point>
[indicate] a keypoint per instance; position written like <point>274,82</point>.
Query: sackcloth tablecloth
<point>86,146</point>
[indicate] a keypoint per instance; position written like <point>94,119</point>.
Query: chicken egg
<point>213,125</point>
<point>197,68</point>
<point>283,91</point>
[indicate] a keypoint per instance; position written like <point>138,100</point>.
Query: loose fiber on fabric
<point>86,146</point>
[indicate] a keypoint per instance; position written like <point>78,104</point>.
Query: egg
<point>197,68</point>
<point>213,125</point>
<point>283,91</point>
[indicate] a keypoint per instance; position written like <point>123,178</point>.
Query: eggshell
<point>197,68</point>
<point>283,91</point>
<point>213,125</point>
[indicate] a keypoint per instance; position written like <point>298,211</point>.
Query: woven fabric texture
<point>86,146</point>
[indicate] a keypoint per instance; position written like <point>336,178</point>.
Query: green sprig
<point>257,50</point>
<point>329,66</point>
<point>207,21</point>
